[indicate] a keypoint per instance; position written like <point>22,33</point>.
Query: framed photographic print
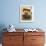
<point>26,13</point>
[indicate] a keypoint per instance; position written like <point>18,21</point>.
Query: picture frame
<point>26,13</point>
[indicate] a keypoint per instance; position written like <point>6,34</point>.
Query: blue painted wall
<point>9,13</point>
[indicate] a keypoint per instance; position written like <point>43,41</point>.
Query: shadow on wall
<point>2,26</point>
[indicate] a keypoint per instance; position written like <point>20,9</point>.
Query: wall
<point>10,13</point>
